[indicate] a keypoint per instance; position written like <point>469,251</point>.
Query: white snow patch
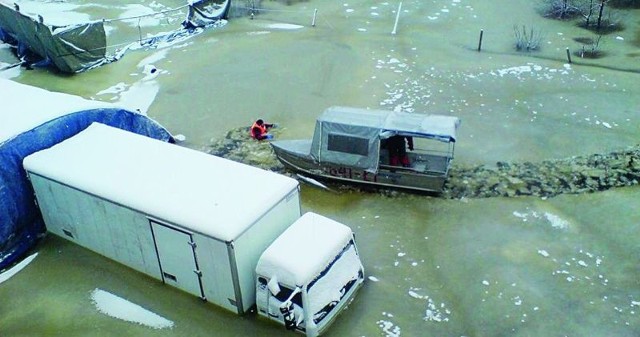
<point>9,73</point>
<point>140,95</point>
<point>18,267</point>
<point>59,14</point>
<point>517,300</point>
<point>288,26</point>
<point>155,57</point>
<point>117,307</point>
<point>416,295</point>
<point>556,221</point>
<point>436,314</point>
<point>543,252</point>
<point>147,19</point>
<point>514,70</point>
<point>388,328</point>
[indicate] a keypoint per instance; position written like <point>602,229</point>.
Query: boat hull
<point>386,176</point>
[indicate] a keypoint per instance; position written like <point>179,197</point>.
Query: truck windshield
<point>334,282</point>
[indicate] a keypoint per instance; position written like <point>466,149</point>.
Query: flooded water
<point>562,266</point>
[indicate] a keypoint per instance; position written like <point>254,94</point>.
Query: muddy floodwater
<point>566,265</point>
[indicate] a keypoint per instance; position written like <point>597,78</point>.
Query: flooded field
<point>567,265</point>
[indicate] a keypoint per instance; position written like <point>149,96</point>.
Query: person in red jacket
<point>259,130</point>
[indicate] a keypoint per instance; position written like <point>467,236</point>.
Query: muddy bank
<point>585,174</point>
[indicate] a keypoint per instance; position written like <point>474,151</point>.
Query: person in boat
<point>260,130</point>
<point>397,146</point>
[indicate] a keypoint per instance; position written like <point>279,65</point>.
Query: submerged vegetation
<point>560,9</point>
<point>597,16</point>
<point>594,15</point>
<point>590,47</point>
<point>527,39</point>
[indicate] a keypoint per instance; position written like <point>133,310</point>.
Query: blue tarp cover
<point>21,223</point>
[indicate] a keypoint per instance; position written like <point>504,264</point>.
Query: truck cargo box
<point>192,220</point>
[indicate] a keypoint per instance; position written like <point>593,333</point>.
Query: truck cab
<point>309,274</point>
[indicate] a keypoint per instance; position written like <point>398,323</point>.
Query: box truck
<point>197,222</point>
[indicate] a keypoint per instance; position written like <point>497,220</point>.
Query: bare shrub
<point>590,47</point>
<point>560,9</point>
<point>598,18</point>
<point>527,40</point>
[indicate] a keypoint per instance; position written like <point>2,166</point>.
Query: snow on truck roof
<point>304,249</point>
<point>207,194</point>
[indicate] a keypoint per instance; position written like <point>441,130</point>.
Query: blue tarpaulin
<point>21,223</point>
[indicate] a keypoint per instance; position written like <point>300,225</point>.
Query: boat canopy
<point>351,136</point>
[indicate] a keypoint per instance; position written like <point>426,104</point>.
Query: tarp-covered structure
<point>205,12</point>
<point>77,47</point>
<point>70,48</point>
<point>32,119</point>
<point>361,130</point>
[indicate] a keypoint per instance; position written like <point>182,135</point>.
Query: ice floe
<point>117,307</point>
<point>434,312</point>
<point>554,220</point>
<point>17,268</point>
<point>284,26</point>
<point>389,329</point>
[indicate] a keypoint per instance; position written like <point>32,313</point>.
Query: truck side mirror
<point>273,286</point>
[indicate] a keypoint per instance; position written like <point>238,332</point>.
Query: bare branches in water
<point>527,39</point>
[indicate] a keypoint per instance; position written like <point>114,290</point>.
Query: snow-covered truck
<point>197,222</point>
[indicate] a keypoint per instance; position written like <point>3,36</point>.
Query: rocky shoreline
<point>585,174</point>
<point>578,174</point>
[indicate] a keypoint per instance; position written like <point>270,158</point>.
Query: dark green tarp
<point>70,49</point>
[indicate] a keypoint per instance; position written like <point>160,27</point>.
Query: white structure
<point>309,274</point>
<point>192,220</point>
<point>25,107</point>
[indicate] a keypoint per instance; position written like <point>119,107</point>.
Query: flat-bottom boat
<point>353,145</point>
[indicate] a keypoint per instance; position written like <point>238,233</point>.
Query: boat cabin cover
<point>351,136</point>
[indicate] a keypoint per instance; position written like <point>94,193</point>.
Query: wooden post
<point>480,40</point>
<point>568,55</point>
<point>315,13</point>
<point>395,26</point>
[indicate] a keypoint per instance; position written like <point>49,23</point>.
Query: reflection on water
<point>527,266</point>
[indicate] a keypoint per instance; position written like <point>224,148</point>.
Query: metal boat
<point>348,146</point>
